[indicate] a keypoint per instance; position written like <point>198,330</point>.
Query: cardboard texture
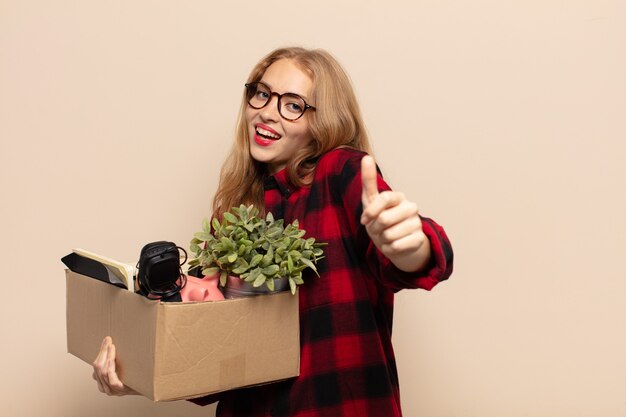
<point>170,351</point>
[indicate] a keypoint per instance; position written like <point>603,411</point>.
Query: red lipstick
<point>267,137</point>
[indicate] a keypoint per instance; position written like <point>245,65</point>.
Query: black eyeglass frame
<point>278,102</point>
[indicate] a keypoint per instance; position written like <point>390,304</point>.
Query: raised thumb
<point>368,179</point>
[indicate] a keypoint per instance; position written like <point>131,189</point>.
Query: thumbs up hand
<point>392,222</point>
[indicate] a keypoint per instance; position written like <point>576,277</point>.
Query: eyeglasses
<point>290,106</point>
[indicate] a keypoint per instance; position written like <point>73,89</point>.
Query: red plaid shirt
<point>347,364</point>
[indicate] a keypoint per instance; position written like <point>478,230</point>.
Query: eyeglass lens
<point>290,106</point>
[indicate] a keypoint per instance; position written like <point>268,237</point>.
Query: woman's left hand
<point>392,222</point>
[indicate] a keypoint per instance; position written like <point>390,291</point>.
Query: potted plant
<point>254,254</point>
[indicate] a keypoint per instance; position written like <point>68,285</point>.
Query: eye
<point>262,95</point>
<point>258,95</point>
<point>293,104</point>
<point>294,107</point>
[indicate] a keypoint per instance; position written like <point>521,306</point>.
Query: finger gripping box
<point>170,351</point>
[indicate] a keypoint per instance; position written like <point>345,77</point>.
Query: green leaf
<point>216,224</point>
<point>230,217</point>
<point>292,285</point>
<point>223,278</point>
<point>241,266</point>
<point>210,271</point>
<point>203,236</point>
<point>289,263</point>
<point>256,259</point>
<point>268,258</point>
<point>300,268</point>
<point>252,276</point>
<point>259,280</point>
<point>295,255</point>
<point>274,232</point>
<point>227,244</point>
<point>298,279</point>
<point>309,264</point>
<point>270,284</point>
<point>271,270</point>
<point>296,245</point>
<point>269,217</point>
<point>233,257</point>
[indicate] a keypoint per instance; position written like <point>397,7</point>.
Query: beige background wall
<point>505,120</point>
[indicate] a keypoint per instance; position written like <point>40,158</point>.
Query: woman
<point>300,153</point>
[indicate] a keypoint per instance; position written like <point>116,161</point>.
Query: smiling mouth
<point>265,134</point>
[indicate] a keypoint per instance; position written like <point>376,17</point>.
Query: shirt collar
<point>281,181</point>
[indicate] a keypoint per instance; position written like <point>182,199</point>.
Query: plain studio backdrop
<point>504,120</point>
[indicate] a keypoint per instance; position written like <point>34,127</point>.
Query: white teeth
<point>267,133</point>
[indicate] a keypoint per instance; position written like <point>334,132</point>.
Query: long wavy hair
<point>335,123</point>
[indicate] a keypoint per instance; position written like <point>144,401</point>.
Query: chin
<point>258,154</point>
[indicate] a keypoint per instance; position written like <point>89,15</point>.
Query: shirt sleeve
<point>441,262</point>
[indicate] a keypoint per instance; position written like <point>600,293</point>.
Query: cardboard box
<point>170,351</point>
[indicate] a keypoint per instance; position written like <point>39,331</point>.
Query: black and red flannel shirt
<point>347,364</point>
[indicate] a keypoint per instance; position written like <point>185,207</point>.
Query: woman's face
<point>273,139</point>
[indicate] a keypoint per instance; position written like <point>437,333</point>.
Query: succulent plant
<point>255,249</point>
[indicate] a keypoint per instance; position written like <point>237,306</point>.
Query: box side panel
<point>133,328</point>
<point>210,347</point>
<point>95,310</point>
<point>193,340</point>
<point>87,315</point>
<point>273,341</point>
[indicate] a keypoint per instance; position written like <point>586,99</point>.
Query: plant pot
<point>238,288</point>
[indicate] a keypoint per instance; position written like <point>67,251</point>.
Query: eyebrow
<point>288,92</point>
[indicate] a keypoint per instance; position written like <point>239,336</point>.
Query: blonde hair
<point>335,123</point>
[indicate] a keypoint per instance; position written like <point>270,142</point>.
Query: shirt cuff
<point>438,269</point>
